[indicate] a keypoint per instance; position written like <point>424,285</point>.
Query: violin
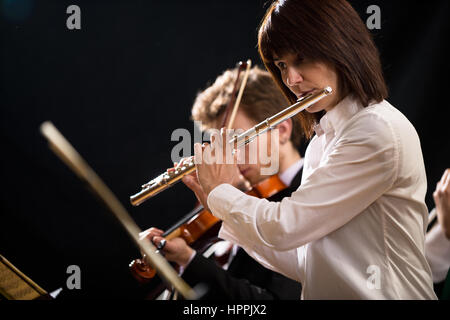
<point>199,223</point>
<point>200,227</point>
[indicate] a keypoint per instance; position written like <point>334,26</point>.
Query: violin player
<point>233,274</point>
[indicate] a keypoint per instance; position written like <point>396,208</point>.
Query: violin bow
<point>248,66</point>
<point>64,150</point>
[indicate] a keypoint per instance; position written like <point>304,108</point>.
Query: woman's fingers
<point>193,184</point>
<point>198,153</point>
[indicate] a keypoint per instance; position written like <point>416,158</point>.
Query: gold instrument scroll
<point>14,285</point>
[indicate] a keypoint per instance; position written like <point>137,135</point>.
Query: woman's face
<point>302,76</point>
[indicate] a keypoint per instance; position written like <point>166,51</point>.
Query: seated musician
<point>238,276</point>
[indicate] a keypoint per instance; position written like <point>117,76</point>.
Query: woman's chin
<point>312,109</point>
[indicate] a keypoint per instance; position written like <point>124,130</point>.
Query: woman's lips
<point>301,95</point>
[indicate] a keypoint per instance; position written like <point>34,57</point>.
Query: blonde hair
<point>261,99</point>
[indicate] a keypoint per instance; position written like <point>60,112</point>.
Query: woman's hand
<point>215,165</point>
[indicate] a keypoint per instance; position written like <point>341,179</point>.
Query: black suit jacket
<point>245,278</point>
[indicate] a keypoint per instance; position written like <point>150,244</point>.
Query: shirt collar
<point>289,174</point>
<point>334,119</point>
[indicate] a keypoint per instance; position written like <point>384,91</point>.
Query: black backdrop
<point>117,89</point>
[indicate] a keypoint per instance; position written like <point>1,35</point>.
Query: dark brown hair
<point>261,99</point>
<point>328,31</point>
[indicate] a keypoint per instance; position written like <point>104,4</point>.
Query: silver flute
<point>187,166</point>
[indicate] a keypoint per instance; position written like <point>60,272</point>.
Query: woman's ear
<point>285,131</point>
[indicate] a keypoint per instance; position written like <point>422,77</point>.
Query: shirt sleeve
<point>284,262</point>
<point>361,167</point>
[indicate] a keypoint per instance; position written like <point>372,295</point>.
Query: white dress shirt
<point>355,228</point>
<point>220,247</point>
<point>286,177</point>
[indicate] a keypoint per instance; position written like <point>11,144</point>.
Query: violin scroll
<point>141,271</point>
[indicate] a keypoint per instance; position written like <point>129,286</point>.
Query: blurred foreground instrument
<point>200,229</point>
<point>62,148</point>
<point>15,285</point>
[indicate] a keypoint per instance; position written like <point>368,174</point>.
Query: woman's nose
<point>294,77</point>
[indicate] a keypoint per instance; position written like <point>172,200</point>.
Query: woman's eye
<point>281,65</point>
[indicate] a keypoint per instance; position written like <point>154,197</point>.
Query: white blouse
<point>355,228</point>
